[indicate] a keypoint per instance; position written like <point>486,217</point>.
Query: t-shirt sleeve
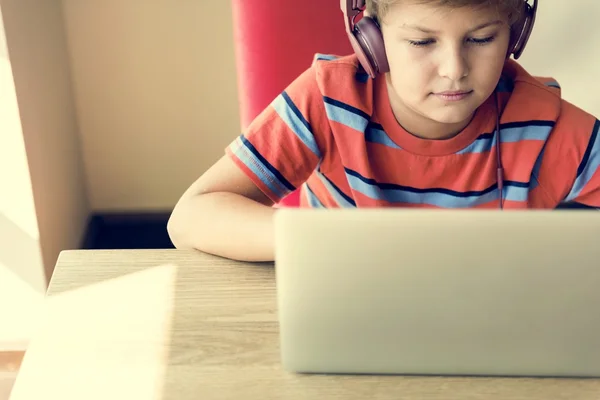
<point>586,185</point>
<point>571,166</point>
<point>285,143</point>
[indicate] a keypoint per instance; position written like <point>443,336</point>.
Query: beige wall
<point>43,206</point>
<point>156,95</point>
<point>153,104</point>
<point>565,45</point>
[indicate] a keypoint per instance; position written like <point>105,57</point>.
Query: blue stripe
<point>514,191</point>
<point>345,106</point>
<point>511,133</point>
<point>346,114</point>
<point>268,165</point>
<point>341,198</point>
<point>589,164</point>
<point>291,115</point>
<point>375,134</point>
<point>313,200</point>
<point>553,84</point>
<point>325,57</point>
<point>482,144</point>
<point>263,169</point>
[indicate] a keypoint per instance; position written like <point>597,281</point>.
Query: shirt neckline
<point>483,121</point>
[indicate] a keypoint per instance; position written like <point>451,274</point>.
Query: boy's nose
<point>453,65</point>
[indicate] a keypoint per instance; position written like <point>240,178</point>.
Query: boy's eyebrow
<point>478,27</point>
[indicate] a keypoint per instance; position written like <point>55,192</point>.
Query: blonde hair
<point>512,9</point>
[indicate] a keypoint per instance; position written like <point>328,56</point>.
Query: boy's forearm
<point>224,224</point>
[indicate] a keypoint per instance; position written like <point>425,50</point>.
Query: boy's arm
<point>224,213</point>
<point>228,211</point>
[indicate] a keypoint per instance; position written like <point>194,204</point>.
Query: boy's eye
<point>420,43</point>
<point>423,43</point>
<point>483,41</point>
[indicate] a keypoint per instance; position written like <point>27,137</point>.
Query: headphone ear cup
<point>521,31</point>
<point>371,48</point>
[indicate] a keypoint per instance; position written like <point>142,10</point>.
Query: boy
<point>423,134</point>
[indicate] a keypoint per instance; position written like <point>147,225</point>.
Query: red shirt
<point>332,132</point>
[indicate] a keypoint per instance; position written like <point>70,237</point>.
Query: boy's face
<point>432,50</point>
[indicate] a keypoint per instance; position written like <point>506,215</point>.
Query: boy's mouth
<point>453,92</point>
<point>454,95</point>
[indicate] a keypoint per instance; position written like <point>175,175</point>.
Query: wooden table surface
<point>170,324</point>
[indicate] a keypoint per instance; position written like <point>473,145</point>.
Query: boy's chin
<point>451,117</point>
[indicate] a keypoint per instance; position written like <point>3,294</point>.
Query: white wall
<point>22,277</point>
<point>17,209</point>
<point>43,205</point>
<point>156,94</point>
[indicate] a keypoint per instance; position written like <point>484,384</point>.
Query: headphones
<point>367,40</point>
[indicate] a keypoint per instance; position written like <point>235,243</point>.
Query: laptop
<point>439,292</point>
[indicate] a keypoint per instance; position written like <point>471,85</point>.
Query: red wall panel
<point>275,40</point>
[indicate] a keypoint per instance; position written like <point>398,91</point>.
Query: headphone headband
<point>351,9</point>
<point>353,5</point>
<point>367,41</point>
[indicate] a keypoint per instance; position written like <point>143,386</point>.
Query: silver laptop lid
<point>439,292</point>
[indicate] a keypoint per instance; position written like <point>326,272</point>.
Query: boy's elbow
<point>176,229</point>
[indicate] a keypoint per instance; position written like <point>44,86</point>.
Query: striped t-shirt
<point>333,134</point>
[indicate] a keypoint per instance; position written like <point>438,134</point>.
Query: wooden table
<point>168,324</point>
